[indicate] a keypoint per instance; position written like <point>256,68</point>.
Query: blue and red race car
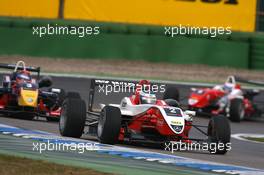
<point>23,95</point>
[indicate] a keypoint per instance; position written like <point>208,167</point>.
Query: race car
<point>139,117</point>
<point>23,96</point>
<point>228,99</point>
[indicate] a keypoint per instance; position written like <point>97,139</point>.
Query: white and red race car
<point>228,99</point>
<point>138,117</point>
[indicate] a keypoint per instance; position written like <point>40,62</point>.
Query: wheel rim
<point>62,119</point>
<point>242,112</point>
<point>101,124</point>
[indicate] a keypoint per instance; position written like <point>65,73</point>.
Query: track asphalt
<point>242,153</point>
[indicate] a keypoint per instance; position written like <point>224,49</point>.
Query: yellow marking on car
<point>28,98</point>
<point>176,122</point>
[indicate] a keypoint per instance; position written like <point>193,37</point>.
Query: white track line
<point>240,136</point>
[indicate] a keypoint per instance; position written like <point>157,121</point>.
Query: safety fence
<point>256,56</point>
<point>127,41</point>
<point>260,16</point>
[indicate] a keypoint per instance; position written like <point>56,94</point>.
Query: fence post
<point>61,9</point>
<point>260,16</point>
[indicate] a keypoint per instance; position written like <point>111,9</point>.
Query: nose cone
<point>28,98</point>
<point>177,128</point>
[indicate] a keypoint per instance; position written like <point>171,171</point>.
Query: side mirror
<point>45,82</point>
<point>193,89</point>
<point>190,113</point>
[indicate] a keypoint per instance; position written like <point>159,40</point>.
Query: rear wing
<point>97,84</point>
<point>242,80</point>
<point>13,66</point>
<point>103,83</point>
<point>117,86</point>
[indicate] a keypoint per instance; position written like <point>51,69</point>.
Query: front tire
<point>109,125</point>
<point>72,119</point>
<point>219,132</point>
<point>237,110</point>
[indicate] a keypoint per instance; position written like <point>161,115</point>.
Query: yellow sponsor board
<point>29,8</point>
<point>238,14</point>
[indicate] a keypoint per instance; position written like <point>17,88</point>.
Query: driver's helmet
<point>228,87</point>
<point>22,76</point>
<point>147,98</point>
<point>219,88</point>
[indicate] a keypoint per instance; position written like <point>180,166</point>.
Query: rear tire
<point>72,119</point>
<point>219,132</point>
<point>171,93</point>
<point>109,125</point>
<point>237,110</point>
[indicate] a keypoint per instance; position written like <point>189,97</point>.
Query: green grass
<point>11,165</point>
<point>257,139</point>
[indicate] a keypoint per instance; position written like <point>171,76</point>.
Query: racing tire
<point>172,102</point>
<point>219,134</point>
<point>72,119</point>
<point>73,95</point>
<point>109,125</point>
<point>171,93</point>
<point>237,110</point>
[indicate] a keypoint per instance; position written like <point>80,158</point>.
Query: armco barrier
<point>257,53</point>
<point>121,41</point>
